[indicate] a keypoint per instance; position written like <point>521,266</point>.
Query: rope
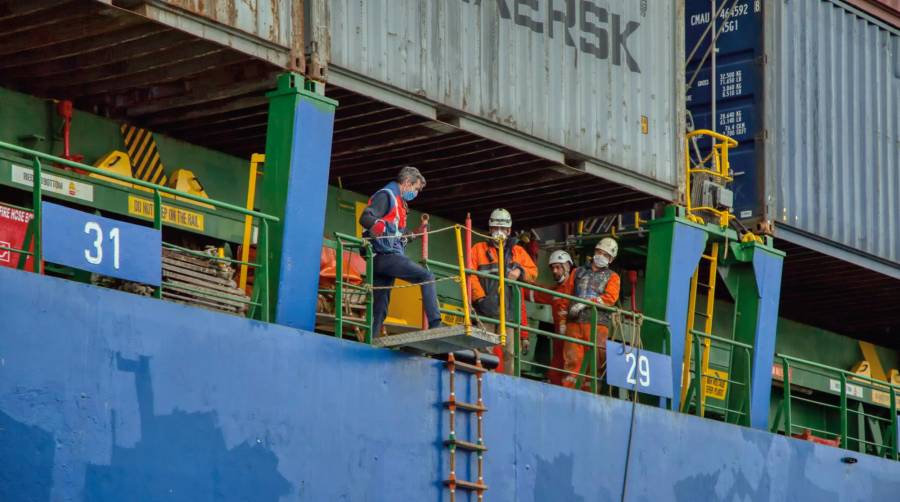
<point>636,333</point>
<point>411,235</point>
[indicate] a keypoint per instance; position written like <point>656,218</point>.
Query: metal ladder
<point>712,259</point>
<point>452,442</point>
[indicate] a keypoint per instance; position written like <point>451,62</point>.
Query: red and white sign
<point>13,226</point>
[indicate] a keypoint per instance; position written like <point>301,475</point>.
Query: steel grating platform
<point>441,340</point>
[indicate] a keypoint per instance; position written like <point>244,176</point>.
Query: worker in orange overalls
<point>561,266</point>
<point>485,292</point>
<point>600,285</point>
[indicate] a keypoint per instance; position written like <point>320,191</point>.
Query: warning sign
<point>716,384</point>
<point>13,227</point>
<point>139,206</point>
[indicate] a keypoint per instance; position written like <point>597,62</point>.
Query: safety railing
<point>257,304</point>
<point>715,165</point>
<point>849,387</point>
<point>696,395</point>
<point>347,295</point>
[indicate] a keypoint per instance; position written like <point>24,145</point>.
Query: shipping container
<point>268,29</point>
<point>593,84</point>
<point>811,89</point>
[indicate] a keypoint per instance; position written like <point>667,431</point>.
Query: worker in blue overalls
<point>385,222</point>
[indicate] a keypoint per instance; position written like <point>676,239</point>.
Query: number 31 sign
<point>102,245</point>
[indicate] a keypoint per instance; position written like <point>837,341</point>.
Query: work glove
<point>525,343</point>
<point>576,309</point>
<point>562,329</point>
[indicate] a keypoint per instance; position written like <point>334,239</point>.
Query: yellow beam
<point>255,160</point>
<point>871,355</point>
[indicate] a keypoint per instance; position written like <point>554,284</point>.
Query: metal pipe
<point>462,281</point>
<point>501,261</point>
<point>134,181</point>
<point>36,189</point>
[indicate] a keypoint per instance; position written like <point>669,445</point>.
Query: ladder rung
<point>703,284</point>
<point>709,257</point>
<point>465,406</point>
<point>465,445</point>
<point>471,368</point>
<point>701,314</point>
<point>466,485</point>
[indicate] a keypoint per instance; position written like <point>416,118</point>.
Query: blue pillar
<point>767,268</point>
<point>295,188</point>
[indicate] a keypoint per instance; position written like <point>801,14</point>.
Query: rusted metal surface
<point>114,62</point>
<point>885,10</point>
<point>267,19</point>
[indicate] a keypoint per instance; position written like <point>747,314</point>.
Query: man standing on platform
<point>385,222</point>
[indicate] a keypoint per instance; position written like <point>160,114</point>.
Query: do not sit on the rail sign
<point>102,245</point>
<point>632,368</point>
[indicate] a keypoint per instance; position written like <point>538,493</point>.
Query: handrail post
<point>893,421</point>
<point>594,351</point>
<point>157,224</point>
<point>339,290</point>
<point>463,283</point>
<point>370,297</point>
<point>786,378</point>
<point>844,441</point>
<point>517,333</point>
<point>36,189</point>
<point>698,370</point>
<point>264,272</point>
<point>501,261</point>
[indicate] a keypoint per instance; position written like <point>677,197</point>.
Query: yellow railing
<point>720,169</point>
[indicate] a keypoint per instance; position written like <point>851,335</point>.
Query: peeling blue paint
<point>115,394</point>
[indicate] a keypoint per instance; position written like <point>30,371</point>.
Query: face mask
<point>601,261</point>
<point>499,234</point>
<point>563,278</point>
<point>409,195</point>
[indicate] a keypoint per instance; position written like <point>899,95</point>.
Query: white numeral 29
<point>643,365</point>
<point>95,256</point>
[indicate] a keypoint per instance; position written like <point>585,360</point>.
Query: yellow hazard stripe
<point>144,154</point>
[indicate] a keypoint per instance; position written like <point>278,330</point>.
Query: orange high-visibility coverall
<point>573,353</point>
<point>560,308</point>
<point>484,259</point>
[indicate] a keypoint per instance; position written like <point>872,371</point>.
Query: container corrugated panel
<point>833,119</point>
<point>267,19</point>
<point>595,77</point>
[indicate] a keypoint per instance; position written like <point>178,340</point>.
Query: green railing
<point>258,304</point>
<point>697,398</point>
<point>851,387</point>
<point>589,372</point>
<point>344,289</point>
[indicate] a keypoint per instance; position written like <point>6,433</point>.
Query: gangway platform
<point>441,340</point>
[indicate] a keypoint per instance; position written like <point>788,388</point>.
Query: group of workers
<point>385,220</point>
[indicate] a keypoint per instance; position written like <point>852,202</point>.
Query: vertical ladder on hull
<point>452,442</point>
<point>712,260</point>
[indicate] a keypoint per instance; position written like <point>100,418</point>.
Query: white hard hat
<point>609,245</point>
<point>560,256</point>
<point>500,218</point>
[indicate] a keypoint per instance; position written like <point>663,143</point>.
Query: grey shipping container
<point>832,118</point>
<point>593,83</point>
<point>269,29</point>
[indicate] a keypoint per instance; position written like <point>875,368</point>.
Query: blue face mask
<point>409,195</point>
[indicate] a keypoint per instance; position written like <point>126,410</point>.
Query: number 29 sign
<point>101,245</point>
<point>630,368</point>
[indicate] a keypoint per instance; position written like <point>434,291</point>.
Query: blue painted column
<point>674,252</point>
<point>767,268</point>
<point>294,187</point>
